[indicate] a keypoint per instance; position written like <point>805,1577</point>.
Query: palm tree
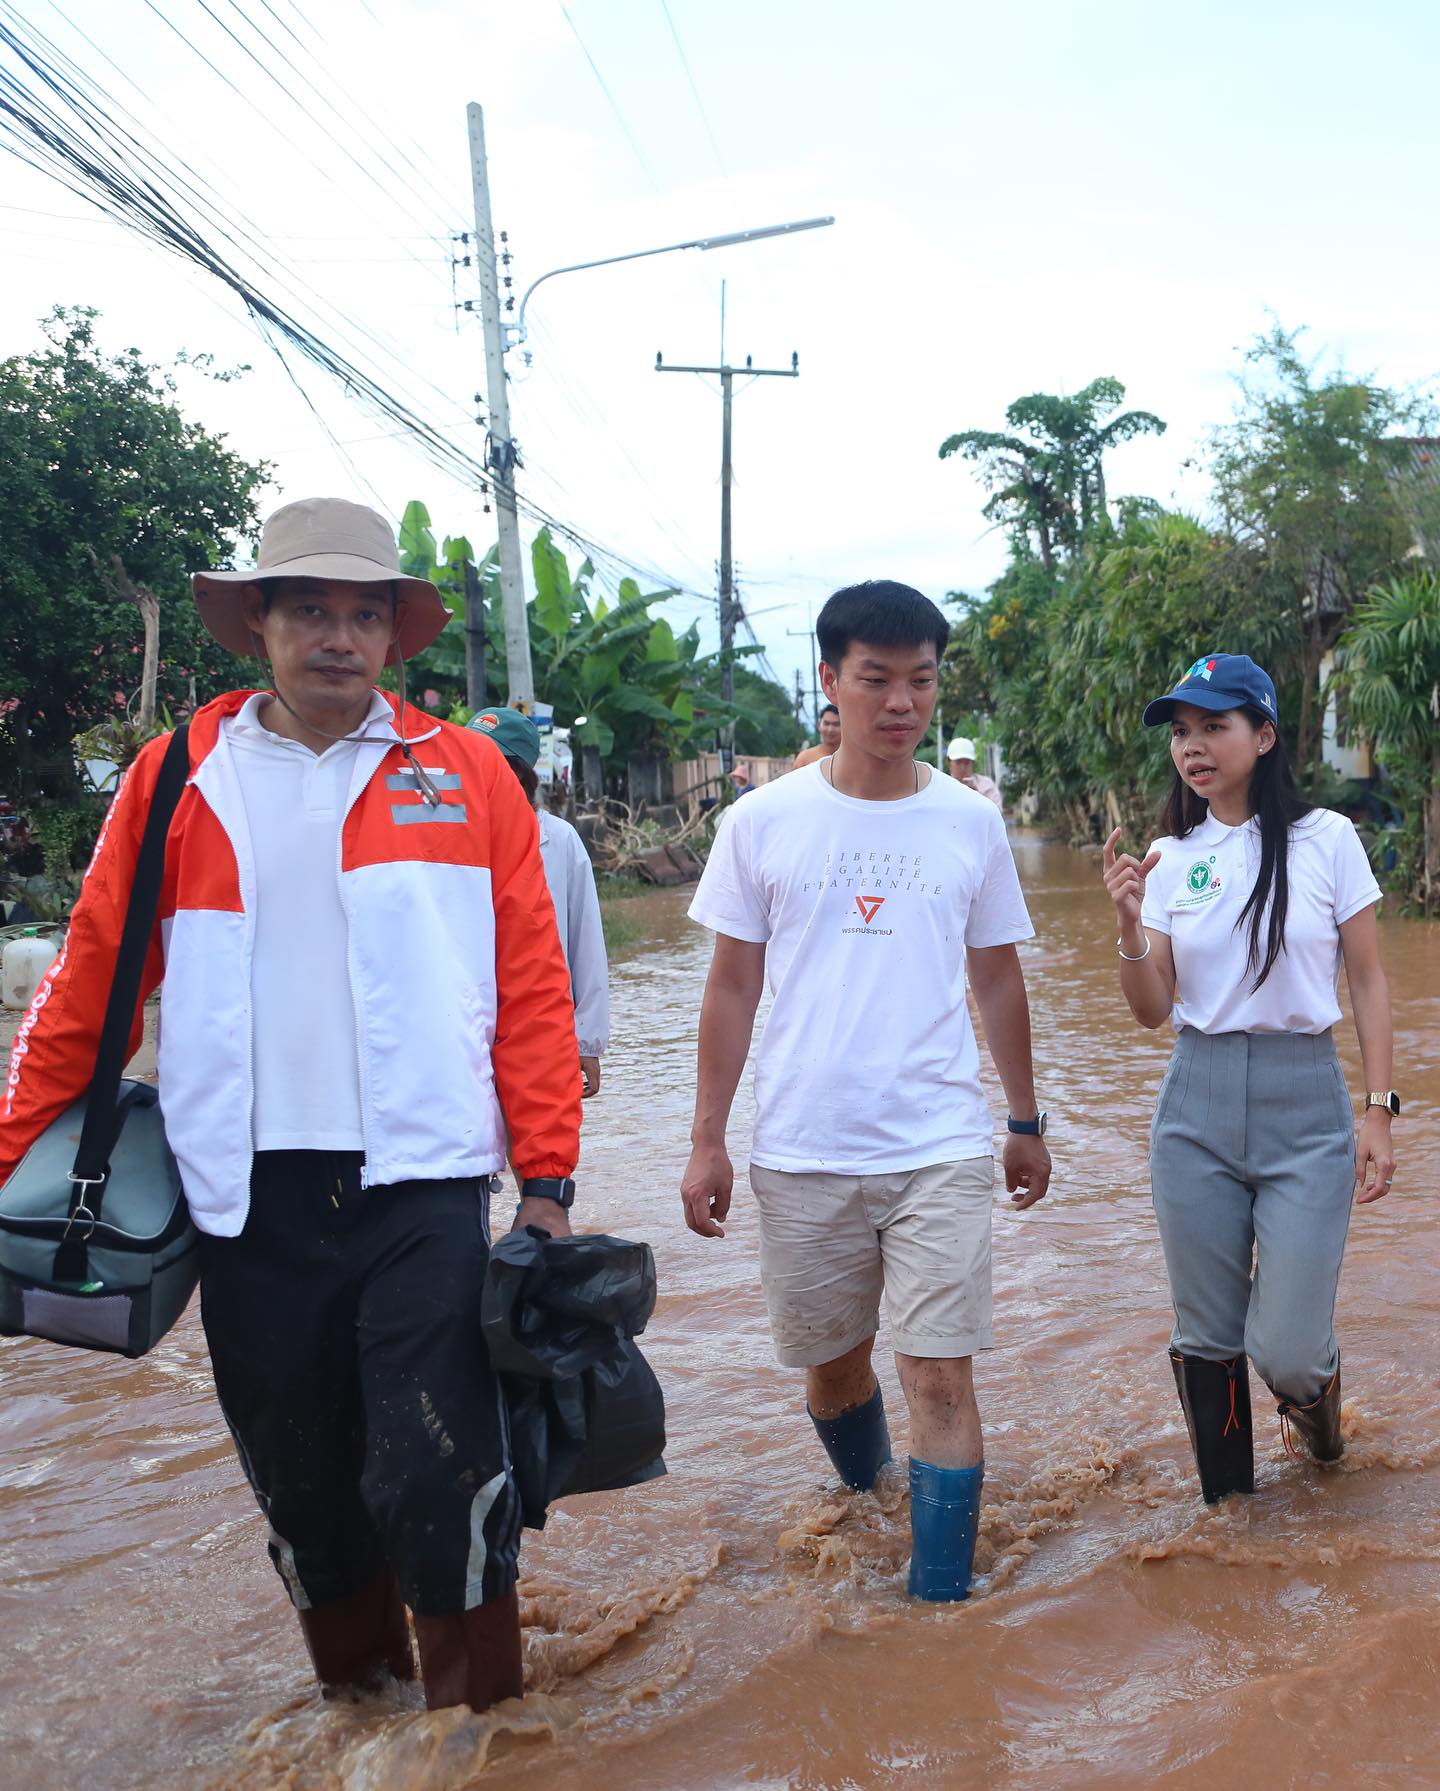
<point>1054,483</point>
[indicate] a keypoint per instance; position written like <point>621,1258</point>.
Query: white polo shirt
<point>1195,895</point>
<point>302,1006</point>
<point>868,1063</point>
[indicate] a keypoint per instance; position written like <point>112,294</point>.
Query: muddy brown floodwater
<point>743,1623</point>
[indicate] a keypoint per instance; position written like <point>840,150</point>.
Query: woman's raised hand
<point>1125,880</point>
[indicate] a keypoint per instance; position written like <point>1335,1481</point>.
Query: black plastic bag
<point>586,1411</point>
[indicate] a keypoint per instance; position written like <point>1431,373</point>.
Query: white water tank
<point>22,964</point>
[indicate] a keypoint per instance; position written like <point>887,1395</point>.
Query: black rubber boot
<point>359,1642</point>
<point>1316,1424</point>
<point>1215,1398</point>
<point>472,1657</point>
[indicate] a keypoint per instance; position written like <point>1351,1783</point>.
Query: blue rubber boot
<point>857,1442</point>
<point>944,1517</point>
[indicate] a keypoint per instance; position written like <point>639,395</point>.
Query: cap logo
<point>487,720</point>
<point>1202,668</point>
<point>1265,698</point>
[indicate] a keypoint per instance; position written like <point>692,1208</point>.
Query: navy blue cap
<point>1217,681</point>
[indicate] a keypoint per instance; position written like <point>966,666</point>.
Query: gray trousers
<point>1252,1160</point>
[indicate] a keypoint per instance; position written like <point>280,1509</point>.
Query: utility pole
<point>500,452</point>
<point>730,609</point>
<point>809,633</point>
<point>476,696</point>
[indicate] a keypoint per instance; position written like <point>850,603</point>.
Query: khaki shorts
<point>830,1244</point>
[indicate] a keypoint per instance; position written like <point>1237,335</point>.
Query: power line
<point>355,108</point>
<point>694,90</point>
<point>101,174</point>
<point>74,87</point>
<point>620,118</point>
<point>296,103</point>
<point>99,159</point>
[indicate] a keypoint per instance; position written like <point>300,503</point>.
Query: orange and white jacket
<point>461,995</point>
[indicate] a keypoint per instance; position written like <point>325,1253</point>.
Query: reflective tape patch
<point>479,1552</point>
<point>405,780</point>
<point>411,812</point>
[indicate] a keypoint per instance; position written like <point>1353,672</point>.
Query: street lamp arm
<point>731,240</point>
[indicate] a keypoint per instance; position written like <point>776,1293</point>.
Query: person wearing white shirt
<point>571,881</point>
<point>1235,926</point>
<point>864,888</point>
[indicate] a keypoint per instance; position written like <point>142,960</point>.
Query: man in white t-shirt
<point>864,886</point>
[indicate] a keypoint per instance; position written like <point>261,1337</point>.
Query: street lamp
<point>730,240</point>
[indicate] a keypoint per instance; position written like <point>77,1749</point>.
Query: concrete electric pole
<point>809,634</point>
<point>500,454</point>
<point>730,610</point>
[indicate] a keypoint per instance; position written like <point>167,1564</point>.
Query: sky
<point>1025,198</point>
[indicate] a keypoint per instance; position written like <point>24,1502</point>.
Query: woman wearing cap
<point>1235,925</point>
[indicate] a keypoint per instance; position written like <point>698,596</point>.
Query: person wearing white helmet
<point>960,755</point>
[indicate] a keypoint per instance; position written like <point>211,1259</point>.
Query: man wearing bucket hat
<point>571,880</point>
<point>364,1001</point>
<point>960,756</point>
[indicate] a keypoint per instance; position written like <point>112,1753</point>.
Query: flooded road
<point>743,1623</point>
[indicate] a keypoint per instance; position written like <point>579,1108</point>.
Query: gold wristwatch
<point>1389,1100</point>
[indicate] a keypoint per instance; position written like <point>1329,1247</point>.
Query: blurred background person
<point>829,725</point>
<point>961,756</point>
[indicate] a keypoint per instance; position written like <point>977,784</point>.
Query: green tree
<point>1049,481</point>
<point>1309,478</point>
<point>442,667</point>
<point>104,487</point>
<point>768,729</point>
<point>1389,681</point>
<point>1066,664</point>
<point>641,687</point>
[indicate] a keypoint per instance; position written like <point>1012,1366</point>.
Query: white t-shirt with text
<point>868,1063</point>
<point>1195,895</point>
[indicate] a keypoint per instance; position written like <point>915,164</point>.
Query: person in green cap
<point>571,880</point>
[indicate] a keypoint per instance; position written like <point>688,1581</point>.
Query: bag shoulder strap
<point>102,1114</point>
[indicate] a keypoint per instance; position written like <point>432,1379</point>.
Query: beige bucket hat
<point>321,538</point>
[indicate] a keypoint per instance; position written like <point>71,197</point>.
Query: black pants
<point>344,1333</point>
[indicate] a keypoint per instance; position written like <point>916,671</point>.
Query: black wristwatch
<point>1030,1128</point>
<point>558,1188</point>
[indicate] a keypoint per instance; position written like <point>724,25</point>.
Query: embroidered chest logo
<point>869,906</point>
<point>1202,884</point>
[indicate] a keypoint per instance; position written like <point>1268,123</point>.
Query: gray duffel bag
<point>96,1244</point>
<point>141,1254</point>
